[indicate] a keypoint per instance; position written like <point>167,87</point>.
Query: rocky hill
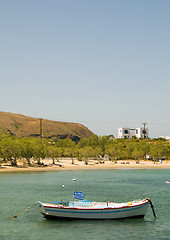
<point>23,126</point>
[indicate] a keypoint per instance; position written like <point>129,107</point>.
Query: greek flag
<point>79,195</point>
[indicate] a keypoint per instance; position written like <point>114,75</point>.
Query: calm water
<point>20,190</point>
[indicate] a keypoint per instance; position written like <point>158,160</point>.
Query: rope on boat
<point>15,216</point>
<point>151,204</point>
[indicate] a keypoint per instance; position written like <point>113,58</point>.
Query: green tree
<point>85,153</point>
<point>158,150</point>
<point>40,150</point>
<point>10,150</point>
<point>27,149</point>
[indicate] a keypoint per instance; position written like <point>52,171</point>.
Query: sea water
<point>20,190</point>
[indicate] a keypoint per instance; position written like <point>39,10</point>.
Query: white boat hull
<point>116,212</point>
<point>168,184</point>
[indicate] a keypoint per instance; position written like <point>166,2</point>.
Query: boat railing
<point>62,203</point>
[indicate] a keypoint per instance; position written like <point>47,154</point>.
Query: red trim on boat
<point>47,206</point>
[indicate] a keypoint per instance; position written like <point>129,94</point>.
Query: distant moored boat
<point>168,184</point>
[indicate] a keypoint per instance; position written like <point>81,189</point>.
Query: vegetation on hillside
<point>13,149</point>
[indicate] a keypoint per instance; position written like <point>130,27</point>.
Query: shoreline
<point>66,164</point>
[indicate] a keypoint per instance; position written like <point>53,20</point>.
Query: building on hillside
<point>135,132</point>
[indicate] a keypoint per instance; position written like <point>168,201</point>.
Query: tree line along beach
<point>95,152</point>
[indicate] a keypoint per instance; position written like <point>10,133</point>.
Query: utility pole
<point>144,130</point>
<point>41,128</point>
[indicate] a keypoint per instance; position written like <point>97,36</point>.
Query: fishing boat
<point>168,184</point>
<point>84,209</point>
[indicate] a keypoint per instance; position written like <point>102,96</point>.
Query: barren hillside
<point>23,126</point>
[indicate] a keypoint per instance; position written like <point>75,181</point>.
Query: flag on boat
<point>79,195</point>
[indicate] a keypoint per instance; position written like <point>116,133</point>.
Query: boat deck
<point>92,205</point>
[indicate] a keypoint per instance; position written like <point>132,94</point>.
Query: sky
<point>102,63</point>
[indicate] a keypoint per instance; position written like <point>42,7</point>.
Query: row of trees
<point>13,149</point>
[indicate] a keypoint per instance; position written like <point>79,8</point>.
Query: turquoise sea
<point>20,190</point>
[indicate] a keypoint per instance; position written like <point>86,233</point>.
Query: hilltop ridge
<point>24,126</point>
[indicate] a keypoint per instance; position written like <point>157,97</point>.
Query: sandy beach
<point>66,164</point>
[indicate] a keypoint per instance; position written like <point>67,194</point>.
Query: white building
<point>124,133</point>
<point>142,132</point>
<point>135,132</point>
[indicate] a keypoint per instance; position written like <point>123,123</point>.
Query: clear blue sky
<point>102,63</point>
